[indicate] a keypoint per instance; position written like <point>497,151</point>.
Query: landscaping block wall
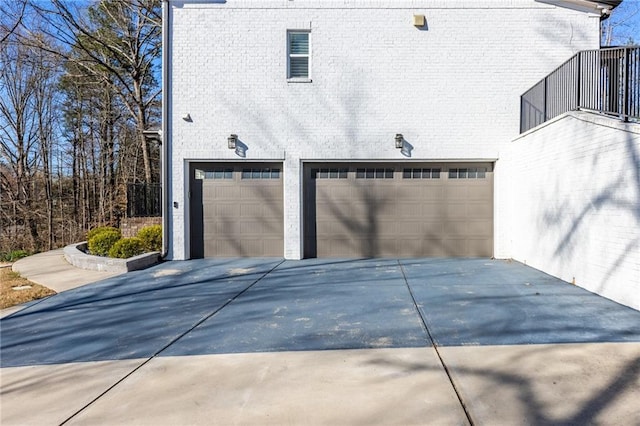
<point>569,203</point>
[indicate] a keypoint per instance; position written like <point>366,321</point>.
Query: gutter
<point>602,8</point>
<point>165,125</point>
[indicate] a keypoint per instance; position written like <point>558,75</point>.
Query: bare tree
<point>120,44</point>
<point>623,26</point>
<point>11,14</point>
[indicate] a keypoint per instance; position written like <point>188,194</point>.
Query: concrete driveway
<point>267,341</point>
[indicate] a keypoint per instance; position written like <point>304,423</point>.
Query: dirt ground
<point>16,290</point>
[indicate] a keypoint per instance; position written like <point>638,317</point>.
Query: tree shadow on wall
<point>622,194</point>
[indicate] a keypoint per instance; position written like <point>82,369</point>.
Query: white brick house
<point>317,91</point>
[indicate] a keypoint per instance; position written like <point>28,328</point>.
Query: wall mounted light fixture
<point>419,20</point>
<point>399,140</point>
<point>187,117</point>
<point>232,140</point>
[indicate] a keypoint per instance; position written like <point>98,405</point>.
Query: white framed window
<point>299,55</point>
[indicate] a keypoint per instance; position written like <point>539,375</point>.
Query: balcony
<point>606,81</point>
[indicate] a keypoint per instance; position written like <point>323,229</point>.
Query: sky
<point>625,22</point>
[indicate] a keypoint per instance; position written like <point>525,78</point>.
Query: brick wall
<point>130,226</point>
<point>569,198</point>
<point>452,88</point>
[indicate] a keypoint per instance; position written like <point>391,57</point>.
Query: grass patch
<point>10,297</point>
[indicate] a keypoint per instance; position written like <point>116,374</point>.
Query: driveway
<point>267,341</point>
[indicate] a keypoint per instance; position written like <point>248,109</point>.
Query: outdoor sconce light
<point>399,140</point>
<point>419,20</point>
<point>187,117</point>
<point>232,140</point>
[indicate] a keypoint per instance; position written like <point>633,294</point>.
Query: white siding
<point>451,88</point>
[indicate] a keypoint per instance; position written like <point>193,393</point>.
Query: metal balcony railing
<point>606,81</point>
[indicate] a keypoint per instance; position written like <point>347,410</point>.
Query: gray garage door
<point>408,210</point>
<point>236,210</point>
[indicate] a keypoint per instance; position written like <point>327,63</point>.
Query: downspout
<point>166,140</point>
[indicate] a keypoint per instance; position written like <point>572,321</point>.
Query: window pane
<point>360,174</point>
<point>343,173</point>
<point>298,67</point>
<point>462,173</point>
<point>246,174</point>
<point>370,174</point>
<point>388,174</point>
<point>275,173</point>
<point>299,43</point>
<point>453,173</point>
<point>435,173</point>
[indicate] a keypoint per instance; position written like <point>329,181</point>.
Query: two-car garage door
<point>399,210</point>
<point>350,210</point>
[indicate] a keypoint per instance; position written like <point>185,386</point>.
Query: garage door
<point>404,210</point>
<point>236,210</point>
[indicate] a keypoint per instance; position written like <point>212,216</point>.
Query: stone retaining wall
<point>131,225</point>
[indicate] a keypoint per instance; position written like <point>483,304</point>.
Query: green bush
<point>127,247</point>
<point>95,231</point>
<point>100,243</point>
<point>151,237</point>
<point>14,255</point>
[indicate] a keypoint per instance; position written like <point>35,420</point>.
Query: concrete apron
<point>376,386</point>
<point>551,384</point>
<point>589,383</point>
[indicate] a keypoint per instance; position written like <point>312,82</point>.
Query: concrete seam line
<point>435,347</point>
<point>197,324</point>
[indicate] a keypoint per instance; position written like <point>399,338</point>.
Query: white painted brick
<point>452,90</point>
<point>569,197</point>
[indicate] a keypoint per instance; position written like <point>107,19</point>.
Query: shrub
<point>95,231</point>
<point>101,243</point>
<point>127,247</point>
<point>13,255</point>
<point>151,237</point>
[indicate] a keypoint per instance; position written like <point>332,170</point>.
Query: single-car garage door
<point>398,210</point>
<point>236,210</point>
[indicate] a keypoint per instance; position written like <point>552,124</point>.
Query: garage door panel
<point>455,228</point>
<point>335,247</point>
<point>480,210</point>
<point>432,210</point>
<point>338,193</point>
<point>433,193</point>
<point>480,193</point>
<point>409,228</point>
<point>411,247</point>
<point>410,210</point>
<point>480,228</point>
<point>220,192</point>
<point>477,248</point>
<point>455,210</point>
